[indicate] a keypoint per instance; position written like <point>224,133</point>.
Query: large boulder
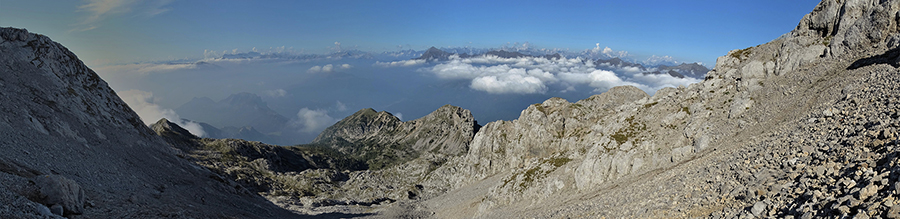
<point>56,190</point>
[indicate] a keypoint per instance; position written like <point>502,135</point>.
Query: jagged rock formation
<point>369,158</point>
<point>63,124</point>
<point>438,54</point>
<point>382,140</point>
<point>693,70</point>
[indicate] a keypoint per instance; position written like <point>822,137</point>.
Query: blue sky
<point>105,32</point>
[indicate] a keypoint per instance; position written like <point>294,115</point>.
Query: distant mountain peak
<point>434,53</point>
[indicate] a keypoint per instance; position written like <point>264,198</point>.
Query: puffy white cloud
<point>404,63</point>
<point>311,121</point>
<point>327,68</point>
<point>276,93</point>
<point>631,69</point>
<point>658,81</point>
<point>529,75</point>
<point>315,69</point>
<point>144,104</point>
<point>399,116</point>
<point>509,83</point>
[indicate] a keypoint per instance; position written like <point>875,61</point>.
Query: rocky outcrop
<point>369,158</point>
<point>383,140</point>
<point>62,121</point>
<point>693,70</point>
<point>60,192</point>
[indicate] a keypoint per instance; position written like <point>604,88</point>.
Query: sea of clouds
<point>531,75</point>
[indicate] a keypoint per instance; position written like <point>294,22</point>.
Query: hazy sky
<point>115,31</point>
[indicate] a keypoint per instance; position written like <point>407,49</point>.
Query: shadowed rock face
<point>60,118</point>
<point>379,137</point>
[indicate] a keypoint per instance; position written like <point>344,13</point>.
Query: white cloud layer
<point>404,63</point>
<point>144,104</point>
<point>311,121</point>
<point>144,68</point>
<point>529,75</point>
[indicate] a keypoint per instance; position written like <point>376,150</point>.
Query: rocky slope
<point>803,126</point>
<point>383,140</point>
<point>72,147</point>
<point>367,159</point>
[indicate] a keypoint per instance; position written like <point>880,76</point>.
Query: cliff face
<point>61,121</point>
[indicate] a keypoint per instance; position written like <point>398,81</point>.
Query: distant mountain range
<point>443,54</point>
<point>242,115</point>
<point>692,70</point>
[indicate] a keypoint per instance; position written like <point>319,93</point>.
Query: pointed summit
<point>435,54</point>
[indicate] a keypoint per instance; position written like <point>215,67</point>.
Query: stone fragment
<point>758,208</point>
<point>44,211</point>
<point>861,215</point>
<point>807,215</point>
<point>829,112</point>
<point>844,209</point>
<point>867,191</point>
<point>61,191</point>
<point>894,212</point>
<point>56,209</point>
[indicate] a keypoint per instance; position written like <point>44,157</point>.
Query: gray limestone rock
<point>56,190</point>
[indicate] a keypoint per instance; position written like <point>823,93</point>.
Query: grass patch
<point>633,129</point>
<point>540,107</point>
<point>740,54</point>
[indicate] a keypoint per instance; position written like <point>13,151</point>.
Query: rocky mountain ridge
<point>72,147</point>
<point>367,159</point>
<point>805,126</point>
